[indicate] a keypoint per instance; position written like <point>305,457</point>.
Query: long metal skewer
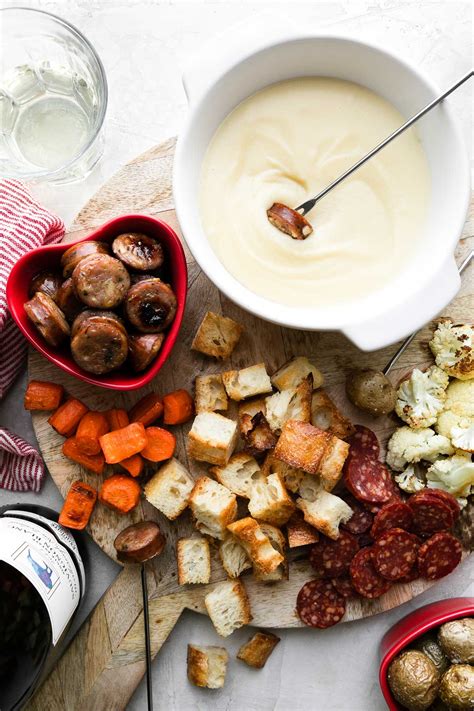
<point>305,207</point>
<point>146,621</point>
<point>465,263</point>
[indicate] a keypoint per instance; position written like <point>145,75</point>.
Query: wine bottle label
<point>47,564</point>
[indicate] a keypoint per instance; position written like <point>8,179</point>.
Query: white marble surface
<point>144,44</point>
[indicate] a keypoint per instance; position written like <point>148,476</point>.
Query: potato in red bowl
<point>106,309</point>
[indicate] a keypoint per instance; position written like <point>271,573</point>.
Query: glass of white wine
<point>53,98</point>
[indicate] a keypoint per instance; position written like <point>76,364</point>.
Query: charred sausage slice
<point>101,281</point>
<point>138,251</point>
<point>150,306</point>
<point>68,301</point>
<point>48,283</point>
<point>100,346</point>
<point>74,254</point>
<point>91,315</point>
<point>139,542</point>
<point>143,349</point>
<point>48,318</point>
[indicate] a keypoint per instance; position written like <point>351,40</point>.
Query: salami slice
<point>365,579</point>
<point>443,496</point>
<point>430,514</point>
<point>368,479</point>
<point>344,586</point>
<point>364,540</point>
<point>394,553</point>
<point>332,558</point>
<point>439,555</point>
<point>319,604</point>
<point>361,519</point>
<point>394,515</point>
<point>414,574</point>
<point>364,441</point>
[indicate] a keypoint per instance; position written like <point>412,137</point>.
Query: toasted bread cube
<point>228,607</point>
<point>277,539</point>
<point>249,407</point>
<point>290,476</point>
<point>326,416</point>
<point>233,557</point>
<point>291,404</point>
<point>330,469</point>
<point>257,434</point>
<point>210,394</point>
<point>310,486</point>
<point>241,384</point>
<point>194,561</point>
<point>207,666</point>
<point>256,544</point>
<point>212,438</point>
<point>292,373</point>
<point>217,336</point>
<point>239,474</point>
<point>256,651</point>
<point>169,489</point>
<point>213,507</point>
<point>325,513</point>
<point>299,532</point>
<point>302,446</point>
<point>270,502</point>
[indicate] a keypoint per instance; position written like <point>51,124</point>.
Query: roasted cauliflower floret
<point>452,346</point>
<point>460,397</point>
<point>411,479</point>
<point>454,474</point>
<point>407,446</point>
<point>421,397</point>
<point>458,428</point>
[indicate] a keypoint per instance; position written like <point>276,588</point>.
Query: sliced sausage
<point>68,301</point>
<point>46,282</point>
<point>150,306</point>
<point>138,251</point>
<point>143,349</point>
<point>48,318</point>
<point>101,281</point>
<point>90,315</point>
<point>139,542</point>
<point>74,254</point>
<point>100,346</point>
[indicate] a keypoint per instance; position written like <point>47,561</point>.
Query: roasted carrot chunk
<point>124,443</point>
<point>91,427</point>
<point>147,410</point>
<point>78,506</point>
<point>67,417</point>
<point>120,493</point>
<point>94,462</point>
<point>178,407</point>
<point>116,419</point>
<point>160,444</point>
<point>41,395</point>
<point>133,465</point>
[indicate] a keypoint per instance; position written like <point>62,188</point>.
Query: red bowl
<point>49,258</point>
<point>413,626</point>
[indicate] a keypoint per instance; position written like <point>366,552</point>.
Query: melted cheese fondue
<point>286,143</point>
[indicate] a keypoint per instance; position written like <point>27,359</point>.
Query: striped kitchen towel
<point>21,466</point>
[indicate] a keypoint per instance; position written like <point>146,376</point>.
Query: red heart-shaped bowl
<point>49,258</point>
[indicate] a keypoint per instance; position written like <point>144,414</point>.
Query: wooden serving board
<point>105,663</point>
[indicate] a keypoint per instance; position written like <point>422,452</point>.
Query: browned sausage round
<point>68,301</point>
<point>90,315</point>
<point>46,282</point>
<point>74,254</point>
<point>143,349</point>
<point>135,277</point>
<point>150,306</point>
<point>101,281</point>
<point>138,251</point>
<point>139,542</point>
<point>48,318</point>
<point>100,346</point>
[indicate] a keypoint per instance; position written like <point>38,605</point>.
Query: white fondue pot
<point>249,58</point>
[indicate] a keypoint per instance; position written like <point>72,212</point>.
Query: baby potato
<point>371,391</point>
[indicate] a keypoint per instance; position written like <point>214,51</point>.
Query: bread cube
<point>210,394</point>
<point>291,404</point>
<point>326,416</point>
<point>277,539</point>
<point>194,561</point>
<point>212,438</point>
<point>270,502</point>
<point>257,434</point>
<point>302,446</point>
<point>290,476</point>
<point>256,651</point>
<point>332,463</point>
<point>228,607</point>
<point>292,373</point>
<point>250,407</point>
<point>233,557</point>
<point>239,474</point>
<point>310,486</point>
<point>207,666</point>
<point>256,544</point>
<point>300,533</point>
<point>325,513</point>
<point>217,336</point>
<point>241,384</point>
<point>213,507</point>
<point>169,489</point>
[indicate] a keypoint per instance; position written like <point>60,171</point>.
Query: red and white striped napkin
<point>24,225</point>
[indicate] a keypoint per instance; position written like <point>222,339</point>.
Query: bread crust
<point>302,446</point>
<point>256,544</point>
<point>217,336</point>
<point>256,651</point>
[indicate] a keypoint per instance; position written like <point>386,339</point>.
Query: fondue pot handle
<point>409,316</point>
<point>227,48</point>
